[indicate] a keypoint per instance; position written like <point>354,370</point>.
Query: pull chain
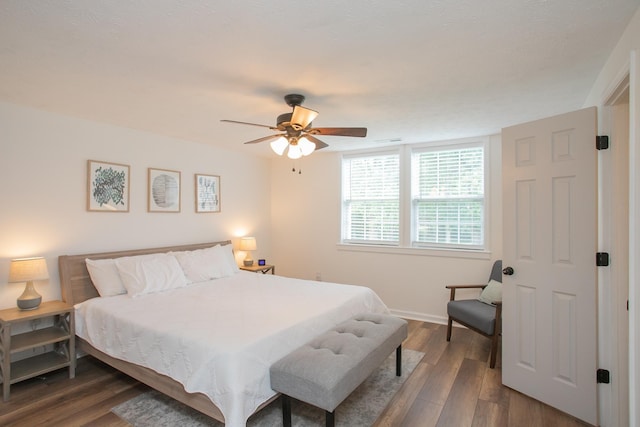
<point>293,169</point>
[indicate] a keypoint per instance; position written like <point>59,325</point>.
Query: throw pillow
<point>491,293</point>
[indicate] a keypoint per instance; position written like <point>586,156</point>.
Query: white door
<point>549,346</point>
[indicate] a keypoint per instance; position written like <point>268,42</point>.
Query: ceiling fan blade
<point>265,138</point>
<point>250,124</point>
<point>319,144</point>
<point>360,132</point>
<point>302,117</point>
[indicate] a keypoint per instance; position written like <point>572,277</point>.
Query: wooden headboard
<point>75,282</point>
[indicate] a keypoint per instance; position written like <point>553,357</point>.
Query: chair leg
<point>399,360</point>
<point>494,350</point>
<point>449,325</point>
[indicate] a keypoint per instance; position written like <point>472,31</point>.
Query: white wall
<point>44,184</point>
<point>305,214</point>
<point>617,64</point>
<point>43,190</point>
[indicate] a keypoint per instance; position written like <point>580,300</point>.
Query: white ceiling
<point>415,70</point>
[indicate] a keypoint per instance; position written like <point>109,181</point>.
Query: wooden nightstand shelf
<point>264,269</point>
<point>60,335</point>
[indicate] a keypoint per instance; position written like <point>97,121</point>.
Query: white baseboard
<point>420,316</point>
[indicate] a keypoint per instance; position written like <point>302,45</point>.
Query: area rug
<point>360,409</point>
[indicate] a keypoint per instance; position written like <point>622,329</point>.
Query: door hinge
<point>602,376</point>
<point>602,142</point>
<point>602,259</point>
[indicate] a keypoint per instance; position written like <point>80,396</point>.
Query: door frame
<point>608,406</point>
<point>613,227</point>
<point>634,238</point>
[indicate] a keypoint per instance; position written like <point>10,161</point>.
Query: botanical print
<point>108,187</point>
<point>207,193</point>
<point>164,190</point>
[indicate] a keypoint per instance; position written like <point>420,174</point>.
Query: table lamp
<point>248,244</point>
<point>27,270</point>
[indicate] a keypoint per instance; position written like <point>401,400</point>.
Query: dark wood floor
<point>452,386</point>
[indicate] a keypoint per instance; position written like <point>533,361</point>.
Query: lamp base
<point>30,299</point>
<point>29,304</point>
<point>248,263</point>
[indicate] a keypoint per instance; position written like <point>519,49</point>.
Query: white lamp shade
<point>248,244</point>
<point>302,117</point>
<point>279,145</point>
<point>294,152</point>
<point>28,269</point>
<point>306,147</point>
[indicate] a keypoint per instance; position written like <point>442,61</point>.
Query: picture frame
<point>163,190</point>
<point>107,186</point>
<point>207,193</point>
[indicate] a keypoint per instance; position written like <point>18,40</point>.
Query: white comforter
<point>220,337</point>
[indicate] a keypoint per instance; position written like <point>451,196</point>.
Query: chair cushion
<point>473,312</point>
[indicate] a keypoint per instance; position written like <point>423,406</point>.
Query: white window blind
<point>447,187</point>
<point>371,199</point>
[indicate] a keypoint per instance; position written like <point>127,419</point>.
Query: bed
<point>208,344</point>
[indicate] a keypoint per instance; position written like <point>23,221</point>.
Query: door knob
<point>507,271</point>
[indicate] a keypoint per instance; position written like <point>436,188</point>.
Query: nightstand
<point>264,269</point>
<point>60,335</point>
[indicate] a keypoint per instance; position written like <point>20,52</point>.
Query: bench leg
<point>399,360</point>
<point>286,411</point>
<point>330,419</point>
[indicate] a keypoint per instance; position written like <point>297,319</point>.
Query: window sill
<point>400,250</point>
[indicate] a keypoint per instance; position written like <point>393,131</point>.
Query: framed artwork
<point>164,190</point>
<point>107,187</point>
<point>207,193</point>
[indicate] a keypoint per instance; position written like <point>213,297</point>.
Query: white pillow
<point>105,277</point>
<point>201,264</point>
<point>219,258</point>
<point>491,293</point>
<point>150,273</point>
<point>227,250</point>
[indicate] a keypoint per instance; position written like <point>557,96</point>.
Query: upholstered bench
<point>327,369</point>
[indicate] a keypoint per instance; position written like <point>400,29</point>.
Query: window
<point>447,197</point>
<point>427,196</point>
<point>371,199</point>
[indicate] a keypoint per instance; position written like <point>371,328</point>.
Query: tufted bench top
<point>327,369</point>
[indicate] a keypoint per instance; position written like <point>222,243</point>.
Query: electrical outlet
<point>319,277</point>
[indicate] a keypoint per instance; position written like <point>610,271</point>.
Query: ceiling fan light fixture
<point>279,145</point>
<point>294,152</point>
<point>306,147</point>
<point>297,132</point>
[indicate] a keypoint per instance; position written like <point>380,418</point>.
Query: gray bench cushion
<point>327,369</point>
<point>475,313</point>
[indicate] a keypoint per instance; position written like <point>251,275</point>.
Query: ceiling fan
<point>296,131</point>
